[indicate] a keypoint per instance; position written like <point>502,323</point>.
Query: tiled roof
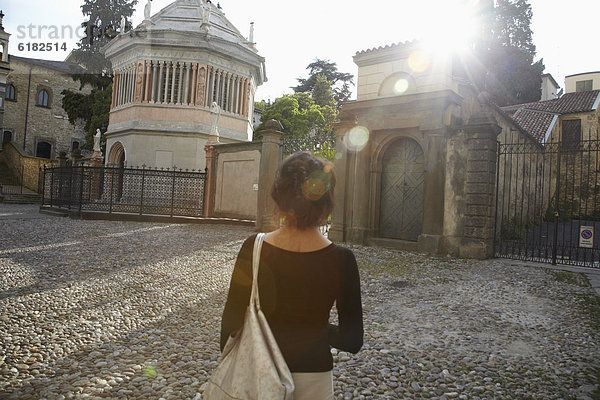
<point>569,103</point>
<point>538,117</point>
<point>534,122</point>
<point>61,66</point>
<point>389,46</point>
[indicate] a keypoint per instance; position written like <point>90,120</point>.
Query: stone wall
<point>236,186</point>
<point>48,124</point>
<point>16,160</point>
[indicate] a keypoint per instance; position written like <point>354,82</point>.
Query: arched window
<point>43,97</point>
<point>397,84</point>
<point>43,149</point>
<point>11,93</point>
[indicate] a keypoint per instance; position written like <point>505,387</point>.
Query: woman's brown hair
<point>303,190</point>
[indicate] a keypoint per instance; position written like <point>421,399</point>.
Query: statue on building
<point>205,13</point>
<point>139,82</point>
<point>215,111</point>
<point>201,86</point>
<point>123,20</point>
<point>147,10</point>
<point>97,137</point>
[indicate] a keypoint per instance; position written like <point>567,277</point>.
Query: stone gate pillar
<point>433,191</point>
<point>266,213</point>
<point>338,223</point>
<point>480,186</point>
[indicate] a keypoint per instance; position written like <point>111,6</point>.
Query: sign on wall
<point>586,236</point>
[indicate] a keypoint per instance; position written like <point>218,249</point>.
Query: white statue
<point>147,10</point>
<point>251,36</point>
<point>215,110</point>
<point>205,13</point>
<point>122,24</point>
<point>97,137</point>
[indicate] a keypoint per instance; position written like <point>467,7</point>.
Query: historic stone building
<point>169,73</point>
<point>416,156</point>
<point>34,119</point>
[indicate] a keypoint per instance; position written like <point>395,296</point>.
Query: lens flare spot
<point>401,86</point>
<point>313,189</point>
<point>356,138</point>
<point>419,61</point>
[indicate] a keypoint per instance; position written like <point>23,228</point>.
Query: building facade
<point>582,82</point>
<point>34,119</point>
<point>178,74</point>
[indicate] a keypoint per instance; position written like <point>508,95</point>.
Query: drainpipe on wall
<point>27,111</point>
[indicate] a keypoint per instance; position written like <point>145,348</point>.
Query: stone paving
<point>99,309</point>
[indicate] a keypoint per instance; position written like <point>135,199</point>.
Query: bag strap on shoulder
<point>254,298</point>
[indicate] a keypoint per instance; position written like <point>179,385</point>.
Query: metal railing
<point>320,144</point>
<point>13,183</point>
<point>548,197</point>
<point>142,191</point>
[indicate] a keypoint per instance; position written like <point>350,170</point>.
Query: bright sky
<point>290,35</point>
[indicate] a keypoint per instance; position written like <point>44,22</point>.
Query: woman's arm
<point>239,292</point>
<point>348,336</point>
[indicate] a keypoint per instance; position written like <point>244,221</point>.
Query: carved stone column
<point>180,84</point>
<point>160,82</point>
<point>154,81</point>
<point>186,90</point>
<point>194,80</point>
<point>148,81</point>
<point>173,87</point>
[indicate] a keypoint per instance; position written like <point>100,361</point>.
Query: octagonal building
<point>167,73</point>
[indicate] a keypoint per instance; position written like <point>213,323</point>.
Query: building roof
<point>551,78</point>
<point>569,103</point>
<point>538,118</point>
<point>189,15</point>
<point>536,123</point>
<point>65,67</point>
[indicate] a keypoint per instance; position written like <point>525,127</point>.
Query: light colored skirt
<point>313,385</point>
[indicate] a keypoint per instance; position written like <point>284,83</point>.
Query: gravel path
<point>99,309</point>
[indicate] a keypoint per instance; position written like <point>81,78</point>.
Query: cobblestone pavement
<point>99,309</point>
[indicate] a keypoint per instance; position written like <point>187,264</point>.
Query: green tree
<point>321,92</point>
<point>507,55</point>
<point>296,121</point>
<point>102,19</point>
<point>340,81</point>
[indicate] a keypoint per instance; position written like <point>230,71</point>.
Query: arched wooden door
<point>402,185</point>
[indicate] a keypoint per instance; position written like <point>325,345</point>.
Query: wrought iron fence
<point>319,144</point>
<point>548,195</point>
<point>143,191</point>
<point>12,181</point>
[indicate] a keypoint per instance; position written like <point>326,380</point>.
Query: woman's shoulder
<point>342,249</point>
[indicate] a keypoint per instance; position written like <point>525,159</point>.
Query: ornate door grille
<point>402,178</point>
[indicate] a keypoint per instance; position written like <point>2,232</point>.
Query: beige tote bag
<point>252,366</point>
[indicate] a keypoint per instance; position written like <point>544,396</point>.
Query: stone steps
<point>25,198</point>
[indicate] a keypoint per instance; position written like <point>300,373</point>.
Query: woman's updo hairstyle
<point>303,190</point>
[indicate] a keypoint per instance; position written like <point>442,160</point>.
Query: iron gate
<point>548,201</point>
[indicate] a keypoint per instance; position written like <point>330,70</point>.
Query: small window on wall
<point>74,145</point>
<point>43,98</point>
<point>11,93</point>
<point>43,150</point>
<point>7,137</point>
<point>583,86</point>
<point>571,134</point>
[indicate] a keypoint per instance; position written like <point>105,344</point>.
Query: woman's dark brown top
<point>297,291</point>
